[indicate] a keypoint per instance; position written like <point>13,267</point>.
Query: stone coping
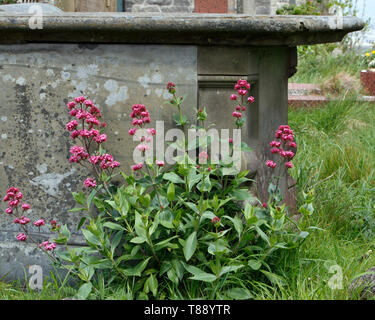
<point>156,28</point>
<point>25,7</point>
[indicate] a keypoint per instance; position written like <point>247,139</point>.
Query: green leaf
<point>112,204</point>
<point>192,206</point>
<point>60,240</point>
<point>84,291</point>
<point>172,177</point>
<point>248,211</point>
<point>255,264</point>
<point>79,197</point>
<point>171,192</point>
<point>303,234</point>
<point>166,219</point>
<point>193,178</point>
<point>91,196</point>
<point>238,225</point>
<point>172,276</point>
<point>205,185</point>
<point>230,171</point>
<point>207,215</point>
<point>218,247</point>
<point>274,278</point>
<point>152,284</point>
<point>116,241</point>
<point>65,232</point>
<point>139,226</point>
<point>137,270</point>
<point>227,269</point>
<point>145,200</point>
<point>138,240</point>
<point>239,294</point>
<point>77,209</point>
<point>81,222</point>
<point>190,246</point>
<point>241,195</point>
<point>263,235</point>
<point>124,204</point>
<point>103,264</point>
<point>200,274</point>
<point>90,237</point>
<point>113,226</point>
<point>166,243</point>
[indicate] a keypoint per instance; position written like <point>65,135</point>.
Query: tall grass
<point>335,157</point>
<point>319,63</point>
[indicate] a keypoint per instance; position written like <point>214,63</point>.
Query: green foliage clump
<point>182,232</point>
<point>308,8</point>
<point>7,1</point>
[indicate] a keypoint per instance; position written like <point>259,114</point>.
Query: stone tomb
<point>119,59</point>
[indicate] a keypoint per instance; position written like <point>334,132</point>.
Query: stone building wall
<point>260,7</point>
<point>159,5</point>
<point>241,6</point>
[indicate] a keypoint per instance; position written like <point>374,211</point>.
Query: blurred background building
<point>202,6</point>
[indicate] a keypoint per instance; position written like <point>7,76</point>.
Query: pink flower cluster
<point>21,237</point>
<point>242,87</point>
<point>78,153</point>
<point>282,146</point>
<point>86,126</point>
<point>137,167</point>
<point>49,246</point>
<point>141,116</point>
<point>104,161</point>
<point>14,197</point>
<point>86,114</point>
<point>39,223</point>
<point>22,221</point>
<point>89,183</point>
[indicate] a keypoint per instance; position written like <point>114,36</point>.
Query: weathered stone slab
<point>177,28</point>
<point>36,81</point>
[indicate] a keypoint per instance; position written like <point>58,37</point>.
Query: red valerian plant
<point>284,146</point>
<point>86,127</point>
<point>156,233</point>
<point>15,208</point>
<point>141,117</point>
<point>242,87</point>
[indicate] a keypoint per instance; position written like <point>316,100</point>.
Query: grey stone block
<point>145,8</point>
<point>183,3</point>
<point>177,9</point>
<point>159,2</point>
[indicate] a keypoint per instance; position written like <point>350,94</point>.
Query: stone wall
<point>260,7</point>
<point>159,5</point>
